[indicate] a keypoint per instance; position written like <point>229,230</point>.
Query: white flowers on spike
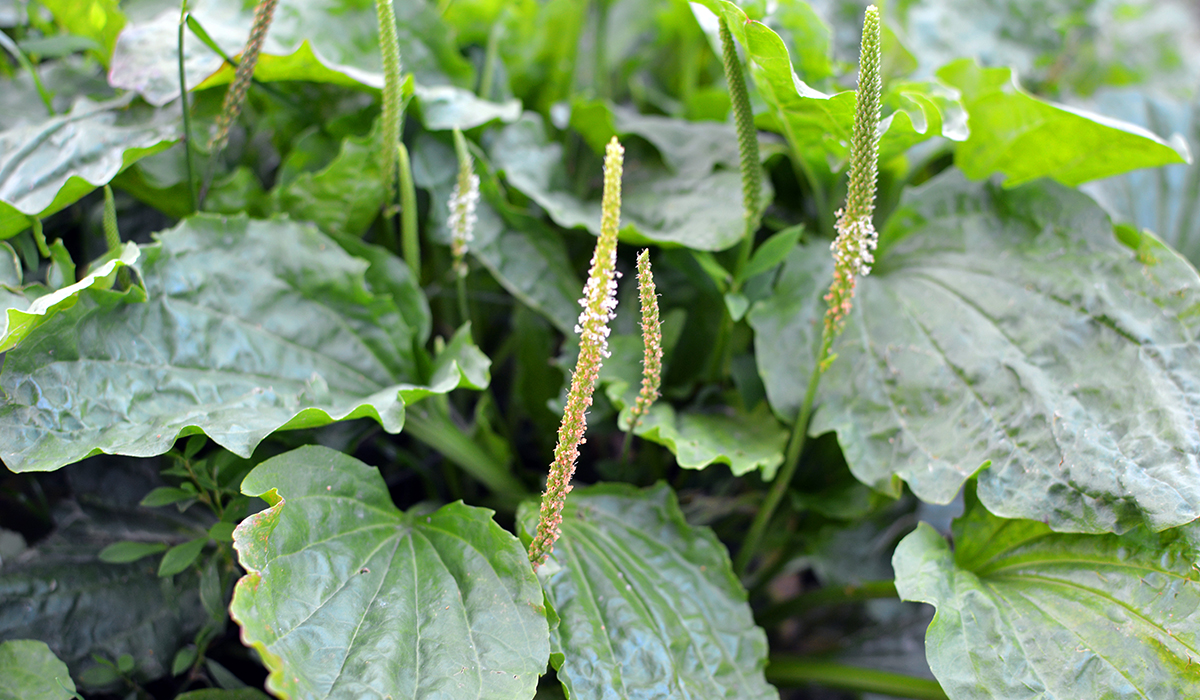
<point>462,214</point>
<point>853,248</point>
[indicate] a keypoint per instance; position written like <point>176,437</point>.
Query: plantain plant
<point>898,382</point>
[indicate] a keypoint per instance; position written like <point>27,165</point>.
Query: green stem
<point>600,79</point>
<point>409,235</point>
<point>187,117</point>
<point>464,312</point>
<point>25,63</point>
<point>784,478</point>
<point>435,429</point>
<point>112,237</point>
<point>829,595</point>
<point>786,670</point>
<point>490,57</point>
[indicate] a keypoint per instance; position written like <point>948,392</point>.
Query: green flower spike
<point>389,44</point>
<point>856,237</point>
<point>599,307</point>
<point>235,97</point>
<point>652,337</point>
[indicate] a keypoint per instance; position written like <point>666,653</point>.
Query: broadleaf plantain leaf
<point>346,596</point>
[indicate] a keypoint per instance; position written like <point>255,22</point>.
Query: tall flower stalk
<point>389,46</point>
<point>599,307</point>
<point>652,339</point>
<point>463,200</point>
<point>852,254</point>
<point>235,96</point>
<point>751,169</point>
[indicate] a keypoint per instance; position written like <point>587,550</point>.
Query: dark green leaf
<point>649,605</point>
<point>247,327</point>
<point>184,659</point>
<point>32,672</point>
<point>773,251</point>
<point>46,166</point>
<point>165,496</point>
<point>325,197</point>
<point>219,694</point>
<point>1024,612</point>
<point>1006,327</point>
<point>1024,138</point>
<point>685,201</point>
<point>181,556</point>
<point>126,552</point>
<point>404,605</point>
<point>64,595</point>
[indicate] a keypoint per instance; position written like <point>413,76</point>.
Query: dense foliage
<point>284,361</point>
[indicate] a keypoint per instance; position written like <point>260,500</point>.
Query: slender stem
<point>829,595</point>
<point>788,670</point>
<point>490,57</point>
<point>784,478</point>
<point>434,428</point>
<point>409,235</point>
<point>112,236</point>
<point>187,116</point>
<point>464,312</point>
<point>600,67</point>
<point>25,63</point>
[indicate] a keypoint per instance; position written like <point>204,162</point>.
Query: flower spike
<point>235,97</point>
<point>853,248</point>
<point>652,338</point>
<point>599,307</point>
<point>463,201</point>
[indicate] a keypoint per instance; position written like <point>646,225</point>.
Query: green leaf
<point>691,199</point>
<point>744,441</point>
<point>1165,199</point>
<point>32,672</point>
<point>405,604</point>
<point>325,198</point>
<point>1024,138</point>
<point>445,107</point>
<point>1024,612</point>
<point>1010,328</point>
<point>181,556</point>
<point>64,595</point>
<point>327,41</point>
<point>818,126</point>
<point>246,327</point>
<point>165,496</point>
<point>27,316</point>
<point>49,165</point>
<point>98,20</point>
<point>773,251</point>
<point>648,604</point>
<point>126,552</point>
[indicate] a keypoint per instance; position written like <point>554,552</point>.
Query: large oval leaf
<point>45,167</point>
<point>246,327</point>
<point>346,596</point>
<point>648,605</point>
<point>1011,327</point>
<point>1024,612</point>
